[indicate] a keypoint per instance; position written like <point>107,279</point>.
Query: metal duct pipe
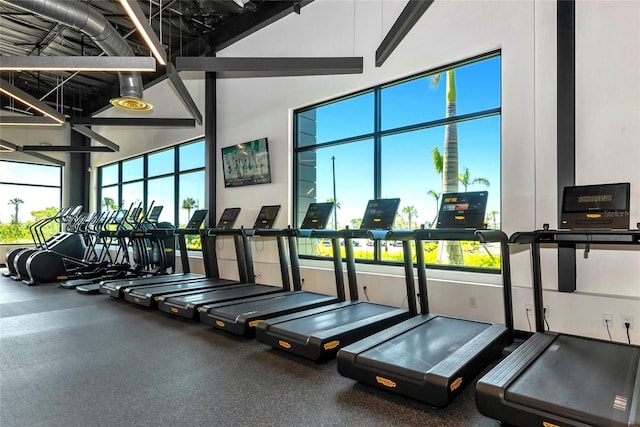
<point>85,18</point>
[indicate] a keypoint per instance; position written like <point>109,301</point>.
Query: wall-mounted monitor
<point>246,163</point>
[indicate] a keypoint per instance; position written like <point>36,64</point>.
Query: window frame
<point>377,136</point>
<point>173,172</point>
<point>59,187</point>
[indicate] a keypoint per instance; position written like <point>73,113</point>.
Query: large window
<point>30,192</point>
<point>394,140</point>
<point>172,178</point>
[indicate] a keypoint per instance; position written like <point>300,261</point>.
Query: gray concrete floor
<point>69,359</point>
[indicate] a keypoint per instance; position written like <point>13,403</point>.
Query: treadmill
<point>241,317</point>
<point>319,333</point>
<point>556,379</point>
<point>149,295</point>
<point>115,288</point>
<point>187,304</point>
<point>431,357</point>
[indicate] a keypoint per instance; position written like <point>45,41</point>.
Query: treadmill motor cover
<point>603,206</point>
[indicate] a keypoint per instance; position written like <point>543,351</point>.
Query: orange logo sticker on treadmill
<point>386,382</point>
<point>331,345</point>
<point>459,217</point>
<point>546,424</point>
<point>455,384</point>
<point>594,215</point>
<point>254,323</point>
<point>62,277</point>
<point>174,310</point>
<point>284,344</point>
<point>220,323</point>
<point>136,299</point>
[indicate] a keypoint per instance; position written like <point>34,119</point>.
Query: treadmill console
<point>596,206</point>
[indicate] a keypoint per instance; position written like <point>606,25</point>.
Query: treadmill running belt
<point>304,327</point>
<point>422,347</point>
<point>600,373</point>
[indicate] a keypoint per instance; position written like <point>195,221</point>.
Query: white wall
<point>607,129</point>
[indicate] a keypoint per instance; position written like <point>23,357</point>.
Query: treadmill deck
<point>564,380</point>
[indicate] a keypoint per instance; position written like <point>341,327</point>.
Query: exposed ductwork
<point>82,17</point>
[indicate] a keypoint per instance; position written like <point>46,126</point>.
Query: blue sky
<point>407,166</point>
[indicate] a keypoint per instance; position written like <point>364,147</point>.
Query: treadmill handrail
<point>211,232</point>
<point>535,238</point>
<point>347,233</point>
<point>617,237</point>
<point>483,236</point>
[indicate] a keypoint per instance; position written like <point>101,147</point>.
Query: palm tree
<point>16,202</point>
<point>410,212</point>
<point>355,223</point>
<point>465,179</point>
<point>492,216</point>
<point>436,197</point>
<point>450,251</point>
<point>437,160</point>
<point>110,203</point>
<point>188,204</point>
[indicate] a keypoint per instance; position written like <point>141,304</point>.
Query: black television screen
<point>246,163</point>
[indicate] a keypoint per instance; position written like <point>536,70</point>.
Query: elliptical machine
<point>64,241</point>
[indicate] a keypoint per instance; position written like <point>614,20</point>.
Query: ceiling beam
<point>132,121</point>
<point>271,67</point>
<point>268,13</point>
<point>183,93</point>
<point>26,99</point>
<point>44,157</point>
<point>6,146</point>
<point>78,63</point>
<point>407,19</point>
<point>66,149</point>
<point>95,137</point>
<point>27,121</point>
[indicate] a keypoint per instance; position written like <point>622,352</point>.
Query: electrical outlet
<point>607,319</point>
<point>627,318</point>
<point>528,309</point>
<point>473,303</point>
<point>547,312</point>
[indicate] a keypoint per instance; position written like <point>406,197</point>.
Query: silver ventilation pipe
<point>82,17</point>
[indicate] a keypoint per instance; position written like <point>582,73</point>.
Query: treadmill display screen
<point>463,210</point>
<point>317,216</point>
<point>197,219</point>
<point>228,218</point>
<point>267,216</point>
<point>596,206</point>
<point>380,214</point>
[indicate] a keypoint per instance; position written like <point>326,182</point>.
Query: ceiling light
<point>23,97</point>
<point>27,121</point>
<point>131,104</point>
<point>6,146</point>
<point>140,21</point>
<point>77,63</point>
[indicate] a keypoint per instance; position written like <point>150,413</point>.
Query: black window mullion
<point>145,181</point>
<point>176,186</point>
<point>377,157</point>
<point>120,195</point>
